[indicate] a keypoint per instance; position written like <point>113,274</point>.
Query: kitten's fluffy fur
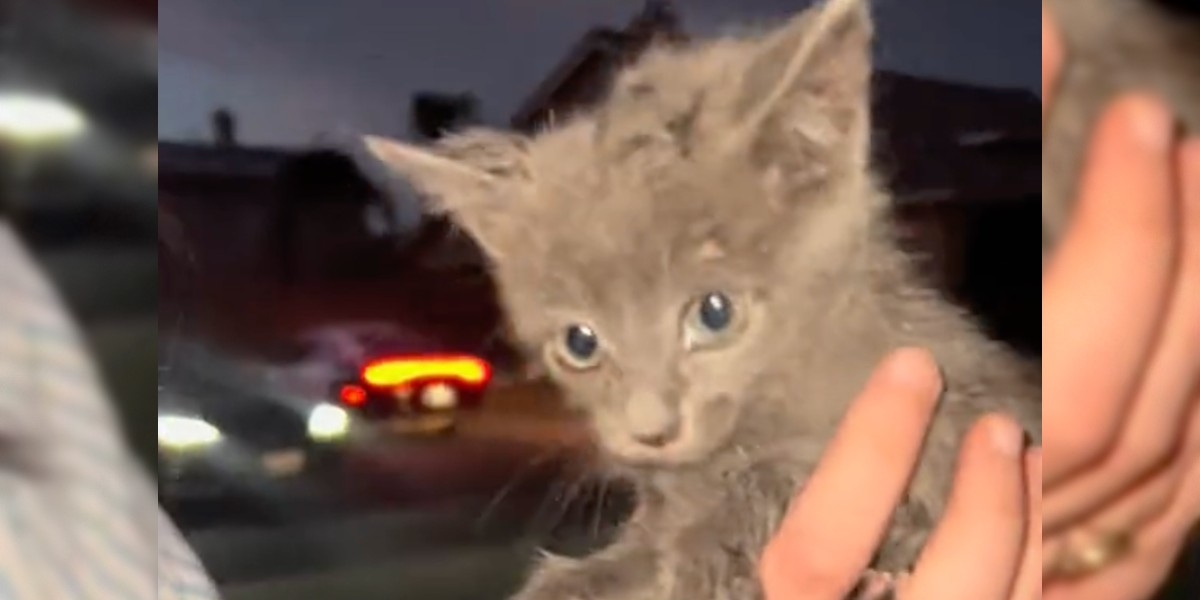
<point>1114,46</point>
<point>737,166</point>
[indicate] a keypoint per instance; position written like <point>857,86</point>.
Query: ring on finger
<point>1084,553</point>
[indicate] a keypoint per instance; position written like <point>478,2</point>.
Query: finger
<point>1156,550</point>
<point>1142,504</point>
<point>1052,56</point>
<point>1106,288</point>
<point>1160,536</point>
<point>862,477</point>
<point>976,549</point>
<point>1179,515</point>
<point>1179,522</point>
<point>1029,577</point>
<point>1137,577</point>
<point>1051,547</point>
<point>1161,406</point>
<point>1147,501</point>
<point>1190,177</point>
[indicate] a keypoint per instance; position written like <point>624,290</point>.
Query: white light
<point>29,118</point>
<point>327,423</point>
<point>186,433</point>
<point>440,396</point>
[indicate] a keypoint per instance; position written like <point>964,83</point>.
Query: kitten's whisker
<point>574,491</point>
<point>598,512</point>
<point>538,459</point>
<point>555,490</point>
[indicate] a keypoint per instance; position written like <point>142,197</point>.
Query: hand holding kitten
<point>1121,313</point>
<point>1123,462</point>
<point>985,546</point>
<point>706,265</point>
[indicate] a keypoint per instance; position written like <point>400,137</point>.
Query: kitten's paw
<point>878,585</point>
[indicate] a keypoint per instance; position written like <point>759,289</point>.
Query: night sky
<point>297,70</point>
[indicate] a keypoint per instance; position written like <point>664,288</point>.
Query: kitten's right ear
<point>468,177</point>
<point>809,80</point>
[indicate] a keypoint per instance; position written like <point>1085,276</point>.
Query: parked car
<point>387,375</point>
<point>229,440</point>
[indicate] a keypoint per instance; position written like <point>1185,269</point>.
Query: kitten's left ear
<point>808,83</point>
<point>466,176</point>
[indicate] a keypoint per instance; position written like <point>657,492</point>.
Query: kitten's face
<point>637,249</point>
<point>662,372</point>
<point>647,297</point>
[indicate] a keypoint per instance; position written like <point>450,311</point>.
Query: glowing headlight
<point>186,433</point>
<point>32,118</point>
<point>327,423</point>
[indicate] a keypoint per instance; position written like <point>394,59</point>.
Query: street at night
<point>424,512</point>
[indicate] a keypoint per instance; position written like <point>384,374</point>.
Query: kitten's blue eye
<point>715,312</point>
<point>580,346</point>
<point>581,341</point>
<point>710,321</point>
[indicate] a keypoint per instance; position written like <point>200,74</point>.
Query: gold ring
<point>1086,553</point>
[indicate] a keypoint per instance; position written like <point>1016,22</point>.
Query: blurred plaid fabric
<point>79,519</point>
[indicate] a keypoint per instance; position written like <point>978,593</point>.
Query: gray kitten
<point>1114,46</point>
<point>707,265</point>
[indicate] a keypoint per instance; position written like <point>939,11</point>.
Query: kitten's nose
<point>650,420</point>
<point>660,438</point>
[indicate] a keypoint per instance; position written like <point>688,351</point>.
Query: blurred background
<point>339,410</point>
<point>78,127</point>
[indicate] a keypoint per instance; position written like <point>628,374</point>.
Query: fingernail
<point>915,369</point>
<point>1151,123</point>
<point>1007,438</point>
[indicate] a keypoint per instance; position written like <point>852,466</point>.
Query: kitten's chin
<point>670,456</point>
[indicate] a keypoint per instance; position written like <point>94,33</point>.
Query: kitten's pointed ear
<point>468,177</point>
<point>808,84</point>
<point>429,171</point>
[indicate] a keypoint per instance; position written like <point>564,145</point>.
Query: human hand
<point>985,546</point>
<point>1121,358</point>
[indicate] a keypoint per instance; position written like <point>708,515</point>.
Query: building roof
<point>202,159</point>
<point>938,140</point>
<point>594,57</point>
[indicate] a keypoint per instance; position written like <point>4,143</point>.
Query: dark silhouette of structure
<point>582,78</point>
<point>434,114</point>
<point>963,161</point>
<point>224,128</point>
<point>142,10</point>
